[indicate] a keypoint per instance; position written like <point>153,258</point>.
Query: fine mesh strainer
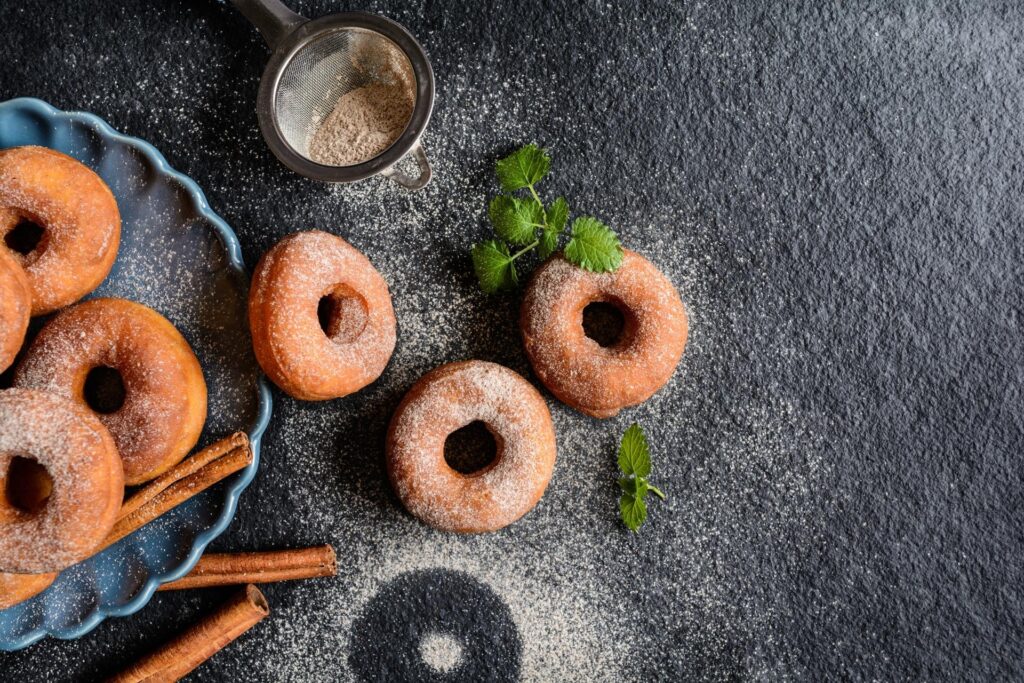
<point>315,63</point>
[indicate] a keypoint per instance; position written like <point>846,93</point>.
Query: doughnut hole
<point>26,486</point>
<point>608,323</point>
<point>472,449</point>
<point>24,237</point>
<point>104,390</point>
<point>343,314</point>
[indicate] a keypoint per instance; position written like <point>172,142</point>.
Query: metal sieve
<point>317,62</point>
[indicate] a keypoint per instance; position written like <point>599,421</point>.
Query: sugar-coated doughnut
<point>164,403</point>
<point>15,308</point>
<point>449,398</point>
<point>321,317</point>
<point>81,493</point>
<point>17,588</point>
<point>77,213</point>
<point>597,380</point>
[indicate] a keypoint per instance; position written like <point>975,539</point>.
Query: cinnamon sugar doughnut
<point>164,402</point>
<point>447,399</point>
<point>77,213</point>
<point>17,588</point>
<point>321,317</point>
<point>81,496</point>
<point>15,305</point>
<point>593,379</point>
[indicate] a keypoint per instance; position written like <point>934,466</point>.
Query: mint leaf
<point>523,168</point>
<point>558,214</point>
<point>634,453</point>
<point>548,243</point>
<point>494,266</point>
<point>635,463</point>
<point>633,510</point>
<point>635,486</point>
<point>527,224</point>
<point>515,220</point>
<point>594,246</point>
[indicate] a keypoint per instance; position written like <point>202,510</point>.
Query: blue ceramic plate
<point>180,258</point>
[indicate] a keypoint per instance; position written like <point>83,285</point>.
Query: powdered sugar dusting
<point>602,380</point>
<point>80,460</point>
<point>81,228</point>
<point>593,602</point>
<point>441,652</point>
<point>695,594</point>
<point>157,376</point>
<point>450,398</point>
<point>564,638</point>
<point>289,284</point>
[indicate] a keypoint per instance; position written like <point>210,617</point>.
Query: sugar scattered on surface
<point>592,602</point>
<point>563,637</point>
<point>441,652</point>
<point>693,595</point>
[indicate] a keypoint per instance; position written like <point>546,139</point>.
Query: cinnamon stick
<point>186,467</point>
<point>226,569</point>
<point>187,479</point>
<point>205,639</point>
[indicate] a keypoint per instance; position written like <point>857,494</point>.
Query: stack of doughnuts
<point>164,405</point>
<point>108,394</point>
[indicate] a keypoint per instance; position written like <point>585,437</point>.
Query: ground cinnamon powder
<point>367,120</point>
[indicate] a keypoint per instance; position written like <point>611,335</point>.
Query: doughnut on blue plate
<point>180,258</point>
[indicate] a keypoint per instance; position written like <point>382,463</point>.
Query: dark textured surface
<point>387,635</point>
<point>837,192</point>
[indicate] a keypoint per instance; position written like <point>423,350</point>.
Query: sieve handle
<point>407,181</point>
<point>271,17</point>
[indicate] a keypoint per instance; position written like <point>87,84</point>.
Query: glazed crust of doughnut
<point>80,220</point>
<point>15,308</point>
<point>84,490</point>
<point>314,351</point>
<point>165,396</point>
<point>593,379</point>
<point>441,402</point>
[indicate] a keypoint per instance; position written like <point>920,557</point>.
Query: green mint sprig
<point>635,464</point>
<point>523,224</point>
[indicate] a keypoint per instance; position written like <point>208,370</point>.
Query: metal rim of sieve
<point>288,34</point>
